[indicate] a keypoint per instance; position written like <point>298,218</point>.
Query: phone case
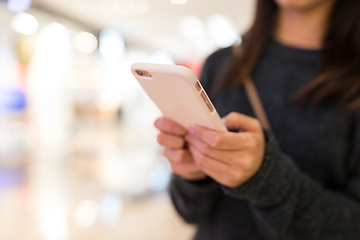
<point>178,94</point>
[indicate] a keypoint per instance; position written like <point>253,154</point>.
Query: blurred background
<point>78,151</point>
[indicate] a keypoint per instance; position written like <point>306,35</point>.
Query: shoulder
<point>214,66</point>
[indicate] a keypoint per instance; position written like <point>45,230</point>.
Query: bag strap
<point>253,96</point>
<point>256,103</point>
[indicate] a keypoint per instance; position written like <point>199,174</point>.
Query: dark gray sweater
<point>308,186</point>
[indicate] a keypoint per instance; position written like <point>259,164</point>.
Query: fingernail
<point>192,129</point>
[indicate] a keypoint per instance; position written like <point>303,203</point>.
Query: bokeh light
<point>18,5</point>
<point>85,42</point>
<point>24,23</point>
<point>222,30</point>
<point>159,176</point>
<point>193,28</point>
<point>160,57</point>
<point>87,213</point>
<point>48,71</point>
<point>111,206</point>
<point>112,45</point>
<point>52,215</point>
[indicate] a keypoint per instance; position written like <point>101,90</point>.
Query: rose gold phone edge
<point>145,74</point>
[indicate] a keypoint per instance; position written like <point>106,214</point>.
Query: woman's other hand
<point>229,158</point>
<point>171,136</point>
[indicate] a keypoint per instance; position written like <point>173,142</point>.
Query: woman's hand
<point>171,136</point>
<point>229,158</point>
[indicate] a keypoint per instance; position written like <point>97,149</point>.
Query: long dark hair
<point>339,79</point>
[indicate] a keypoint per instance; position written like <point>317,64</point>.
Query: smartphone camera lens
<point>144,74</point>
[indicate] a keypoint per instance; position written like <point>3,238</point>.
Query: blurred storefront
<point>78,151</point>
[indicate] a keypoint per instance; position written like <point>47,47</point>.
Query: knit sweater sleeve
<point>290,205</point>
<point>194,200</point>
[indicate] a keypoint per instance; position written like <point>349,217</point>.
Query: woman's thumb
<point>238,121</point>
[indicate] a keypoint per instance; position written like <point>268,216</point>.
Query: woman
<point>302,179</point>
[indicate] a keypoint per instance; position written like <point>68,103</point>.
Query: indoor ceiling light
<point>24,23</point>
<point>85,42</point>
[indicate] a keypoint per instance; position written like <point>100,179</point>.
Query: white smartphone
<point>178,94</point>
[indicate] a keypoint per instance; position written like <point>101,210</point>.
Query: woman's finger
<point>240,121</point>
<point>222,140</point>
<point>222,173</point>
<point>171,141</point>
<point>237,159</point>
<point>205,162</point>
<point>170,126</point>
<point>212,168</point>
<point>188,172</point>
<point>182,164</point>
<point>178,155</point>
<point>184,168</point>
<point>219,154</point>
